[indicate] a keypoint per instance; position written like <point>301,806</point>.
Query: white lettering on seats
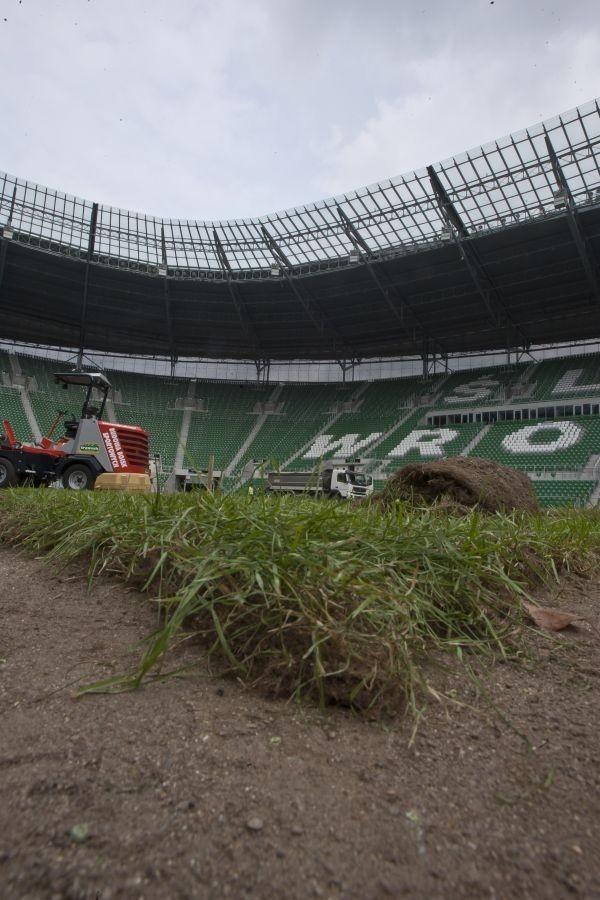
<point>521,441</point>
<point>569,383</point>
<point>345,445</point>
<point>429,442</point>
<point>475,390</point>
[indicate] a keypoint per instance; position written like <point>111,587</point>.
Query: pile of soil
<point>462,482</point>
<point>196,788</point>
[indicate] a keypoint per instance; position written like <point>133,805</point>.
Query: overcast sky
<point>214,110</point>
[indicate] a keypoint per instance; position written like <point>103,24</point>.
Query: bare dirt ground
<point>196,787</point>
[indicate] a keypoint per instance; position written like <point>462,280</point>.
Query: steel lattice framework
<point>546,173</point>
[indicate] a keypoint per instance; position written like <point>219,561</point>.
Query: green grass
<point>334,602</point>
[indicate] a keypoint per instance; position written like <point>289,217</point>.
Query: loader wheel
<point>8,474</point>
<point>78,478</point>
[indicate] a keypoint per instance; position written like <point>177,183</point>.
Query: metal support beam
<point>449,213</point>
<point>3,252</point>
<point>242,314</point>
<point>487,290</point>
<point>172,350</point>
<point>339,345</point>
<point>577,233</point>
<point>263,369</point>
<point>365,254</point>
<point>433,360</point>
<point>347,365</point>
<point>86,282</point>
<point>521,354</point>
<point>13,201</point>
<point>167,297</point>
<point>7,235</point>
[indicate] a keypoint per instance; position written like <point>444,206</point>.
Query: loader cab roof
<point>86,379</point>
<point>97,386</point>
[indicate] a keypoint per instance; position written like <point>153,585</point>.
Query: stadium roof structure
<point>495,248</point>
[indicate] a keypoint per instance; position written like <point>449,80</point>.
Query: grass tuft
<point>333,602</point>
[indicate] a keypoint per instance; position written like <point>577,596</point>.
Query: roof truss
<point>388,292</point>
<point>481,279</point>
<point>328,332</point>
<point>240,308</point>
<point>574,223</point>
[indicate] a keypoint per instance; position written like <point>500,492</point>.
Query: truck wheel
<point>78,478</point>
<point>8,475</point>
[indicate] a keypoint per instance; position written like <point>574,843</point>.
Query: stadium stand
<point>5,366</point>
<point>380,407</point>
<point>382,422</point>
<point>406,425</point>
<point>422,444</point>
<point>46,397</point>
<point>483,387</point>
<point>381,401</point>
<point>558,380</point>
<point>303,411</point>
<point>11,408</point>
<point>230,412</point>
<point>563,493</point>
<point>151,401</point>
<point>565,444</point>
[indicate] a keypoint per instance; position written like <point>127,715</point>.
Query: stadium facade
<point>497,249</point>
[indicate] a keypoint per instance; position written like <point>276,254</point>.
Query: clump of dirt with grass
<point>460,483</point>
<point>333,602</point>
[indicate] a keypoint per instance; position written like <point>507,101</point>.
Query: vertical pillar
<point>7,234</point>
<point>164,269</point>
<point>263,370</point>
<point>86,281</point>
<point>209,474</point>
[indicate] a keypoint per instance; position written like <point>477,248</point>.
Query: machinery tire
<point>8,474</point>
<point>78,478</point>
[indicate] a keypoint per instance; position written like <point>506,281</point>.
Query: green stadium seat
<point>563,493</point>
<point>11,408</point>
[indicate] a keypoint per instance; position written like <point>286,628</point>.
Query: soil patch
<point>194,787</point>
<point>462,481</point>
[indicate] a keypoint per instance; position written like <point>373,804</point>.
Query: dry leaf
<point>549,618</point>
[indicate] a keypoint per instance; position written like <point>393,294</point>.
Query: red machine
<point>88,448</point>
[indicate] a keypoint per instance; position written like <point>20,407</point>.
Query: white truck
<point>343,482</point>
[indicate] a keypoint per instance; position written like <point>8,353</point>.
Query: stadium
<point>450,311</point>
<point>383,698</point>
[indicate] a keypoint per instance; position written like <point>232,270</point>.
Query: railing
<point>561,472</point>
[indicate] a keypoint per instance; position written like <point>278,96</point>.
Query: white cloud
<point>459,103</point>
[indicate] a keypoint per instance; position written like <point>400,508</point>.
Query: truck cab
<point>346,482</point>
